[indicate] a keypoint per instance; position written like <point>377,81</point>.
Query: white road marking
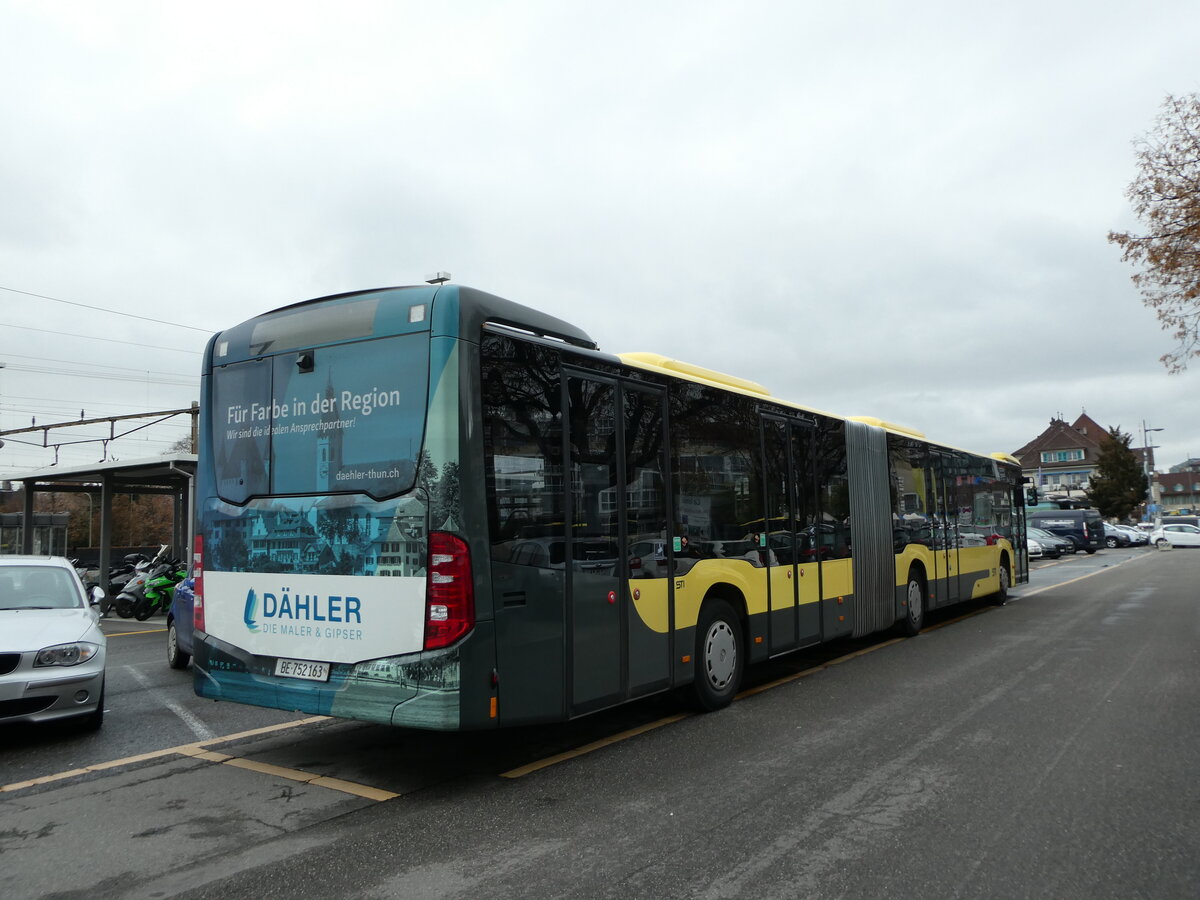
<point>198,728</point>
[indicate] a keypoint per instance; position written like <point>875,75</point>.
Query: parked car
<point>1083,526</point>
<point>1176,536</point>
<point>1136,535</point>
<point>179,624</point>
<point>1114,537</point>
<point>1181,519</point>
<point>1053,545</point>
<point>52,651</point>
<point>1035,549</point>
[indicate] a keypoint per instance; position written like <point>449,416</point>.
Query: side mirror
<point>97,595</point>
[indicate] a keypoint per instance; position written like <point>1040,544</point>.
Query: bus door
<point>790,514</point>
<point>806,503</point>
<point>648,562</point>
<point>616,496</point>
<point>944,587</point>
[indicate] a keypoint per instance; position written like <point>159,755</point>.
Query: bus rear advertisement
<point>432,507</point>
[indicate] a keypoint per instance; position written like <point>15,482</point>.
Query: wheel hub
<point>720,655</point>
<point>914,601</point>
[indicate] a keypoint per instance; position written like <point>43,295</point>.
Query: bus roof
<point>691,372</point>
<point>442,310</point>
<point>461,312</point>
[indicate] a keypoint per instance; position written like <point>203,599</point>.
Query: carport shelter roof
<point>161,472</point>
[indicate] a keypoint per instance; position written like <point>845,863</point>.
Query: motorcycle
<point>158,589</point>
<point>118,577</point>
<point>126,587</point>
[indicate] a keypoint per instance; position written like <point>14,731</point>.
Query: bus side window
<point>522,435</point>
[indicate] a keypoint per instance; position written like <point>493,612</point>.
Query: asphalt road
<point>1044,749</point>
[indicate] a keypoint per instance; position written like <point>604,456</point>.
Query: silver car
<point>52,651</point>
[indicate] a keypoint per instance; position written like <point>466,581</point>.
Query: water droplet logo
<point>251,614</point>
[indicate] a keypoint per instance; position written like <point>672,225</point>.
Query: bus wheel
<point>719,656</point>
<point>915,605</point>
<point>1001,596</point>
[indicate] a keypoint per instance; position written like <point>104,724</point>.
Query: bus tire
<point>720,655</point>
<point>1001,596</point>
<point>914,604</point>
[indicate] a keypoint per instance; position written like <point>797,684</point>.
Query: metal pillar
<point>106,498</point>
<point>27,523</point>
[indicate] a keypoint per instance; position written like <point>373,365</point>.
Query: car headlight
<point>66,654</point>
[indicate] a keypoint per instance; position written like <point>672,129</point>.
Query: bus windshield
<point>341,418</point>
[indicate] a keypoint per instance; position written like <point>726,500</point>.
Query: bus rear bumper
<point>419,690</point>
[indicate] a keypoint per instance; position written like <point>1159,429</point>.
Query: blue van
<point>1083,526</point>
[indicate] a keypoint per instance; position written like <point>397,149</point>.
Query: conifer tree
<point>1119,484</point>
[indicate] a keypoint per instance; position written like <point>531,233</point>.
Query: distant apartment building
<point>1178,491</point>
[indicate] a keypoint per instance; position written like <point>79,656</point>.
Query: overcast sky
<point>872,208</point>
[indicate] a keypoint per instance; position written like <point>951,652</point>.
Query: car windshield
<point>37,587</point>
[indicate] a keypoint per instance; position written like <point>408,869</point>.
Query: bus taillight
<point>198,583</point>
<point>450,592</point>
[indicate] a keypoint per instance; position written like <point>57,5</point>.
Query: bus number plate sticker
<point>302,668</point>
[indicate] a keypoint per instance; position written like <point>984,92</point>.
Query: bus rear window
<point>335,419</point>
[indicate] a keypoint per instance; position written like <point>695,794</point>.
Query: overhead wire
<point>167,380</point>
<point>115,312</point>
<point>32,452</point>
<point>75,362</point>
<point>91,337</point>
<point>70,408</point>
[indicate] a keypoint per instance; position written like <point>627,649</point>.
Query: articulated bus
<point>432,507</point>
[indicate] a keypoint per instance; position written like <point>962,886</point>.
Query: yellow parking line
<point>45,779</point>
<point>212,756</point>
<point>268,769</point>
<point>335,784</point>
<point>199,750</point>
<point>758,689</point>
<point>95,767</point>
<point>128,633</point>
<point>595,745</point>
<point>350,787</point>
<point>194,749</point>
<point>254,732</point>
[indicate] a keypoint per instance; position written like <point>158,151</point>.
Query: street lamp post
<point>1146,468</point>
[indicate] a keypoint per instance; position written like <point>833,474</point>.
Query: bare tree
<point>1166,199</point>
